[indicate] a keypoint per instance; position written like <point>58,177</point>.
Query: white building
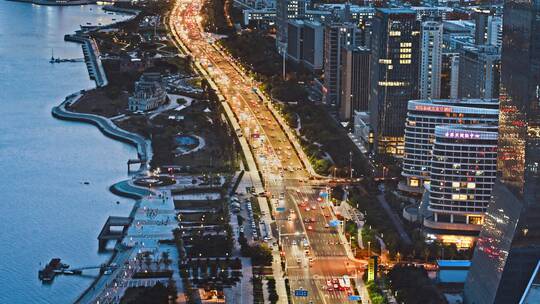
<point>431,60</point>
<point>422,118</point>
<point>494,31</point>
<point>463,172</point>
<point>149,93</point>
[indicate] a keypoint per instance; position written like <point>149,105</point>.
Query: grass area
<point>201,119</point>
<point>377,222</point>
<point>206,218</point>
<point>258,297</point>
<point>208,245</point>
<point>212,273</point>
<point>320,133</point>
<point>187,204</point>
<point>102,101</point>
<point>412,285</point>
<point>375,293</point>
<point>260,254</point>
<point>158,294</point>
<point>214,16</point>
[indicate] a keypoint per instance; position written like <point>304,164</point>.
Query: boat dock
<point>56,267</point>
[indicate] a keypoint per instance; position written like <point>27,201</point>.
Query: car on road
<point>298,260</point>
<point>294,243</point>
<point>309,228</point>
<point>326,226</point>
<point>307,209</point>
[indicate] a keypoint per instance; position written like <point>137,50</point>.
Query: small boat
<point>86,183</point>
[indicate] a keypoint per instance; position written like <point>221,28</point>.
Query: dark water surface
<point>45,209</point>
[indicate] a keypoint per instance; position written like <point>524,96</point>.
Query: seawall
<point>107,127</point>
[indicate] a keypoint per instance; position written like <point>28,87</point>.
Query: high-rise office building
<point>479,72</point>
<point>494,31</point>
<point>422,118</point>
<point>337,35</point>
<point>508,248</point>
<point>488,28</point>
<point>295,39</point>
<point>431,46</point>
<point>462,173</point>
<point>312,52</point>
<point>449,75</point>
<point>354,81</point>
<point>394,75</point>
<point>481,20</point>
<point>287,10</point>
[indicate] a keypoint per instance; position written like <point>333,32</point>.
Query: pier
<point>56,267</point>
<point>91,57</point>
<point>107,234</point>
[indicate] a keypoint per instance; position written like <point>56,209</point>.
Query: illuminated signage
<point>466,135</point>
<point>372,268</point>
<point>433,108</point>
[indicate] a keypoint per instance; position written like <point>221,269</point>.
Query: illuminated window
<point>385,61</point>
<point>394,33</point>
<point>404,56</point>
<point>455,185</point>
<point>405,61</point>
<point>413,183</point>
<point>471,185</point>
<point>476,220</point>
<point>459,197</point>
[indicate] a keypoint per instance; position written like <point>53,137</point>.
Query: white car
<point>294,243</point>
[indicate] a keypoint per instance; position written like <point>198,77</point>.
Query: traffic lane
<point>324,239</point>
<point>299,280</point>
<point>330,292</point>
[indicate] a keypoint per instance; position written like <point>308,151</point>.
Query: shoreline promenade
<point>107,127</point>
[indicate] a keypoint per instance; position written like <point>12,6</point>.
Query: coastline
<point>57,2</point>
<point>107,127</point>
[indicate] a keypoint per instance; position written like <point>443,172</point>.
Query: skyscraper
<point>508,247</point>
<point>354,81</point>
<point>287,10</point>
<point>431,58</point>
<point>394,75</point>
<point>337,35</point>
<point>479,72</point>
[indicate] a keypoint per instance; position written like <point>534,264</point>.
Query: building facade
<point>149,93</point>
<point>462,173</point>
<point>312,52</point>
<point>479,72</point>
<point>287,10</point>
<point>431,60</point>
<point>354,81</point>
<point>423,117</point>
<point>394,75</point>
<point>508,248</point>
<point>337,36</point>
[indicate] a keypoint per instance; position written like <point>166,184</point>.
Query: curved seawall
<point>105,125</point>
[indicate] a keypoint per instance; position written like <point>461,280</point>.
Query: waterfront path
<point>153,220</point>
<point>107,126</point>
